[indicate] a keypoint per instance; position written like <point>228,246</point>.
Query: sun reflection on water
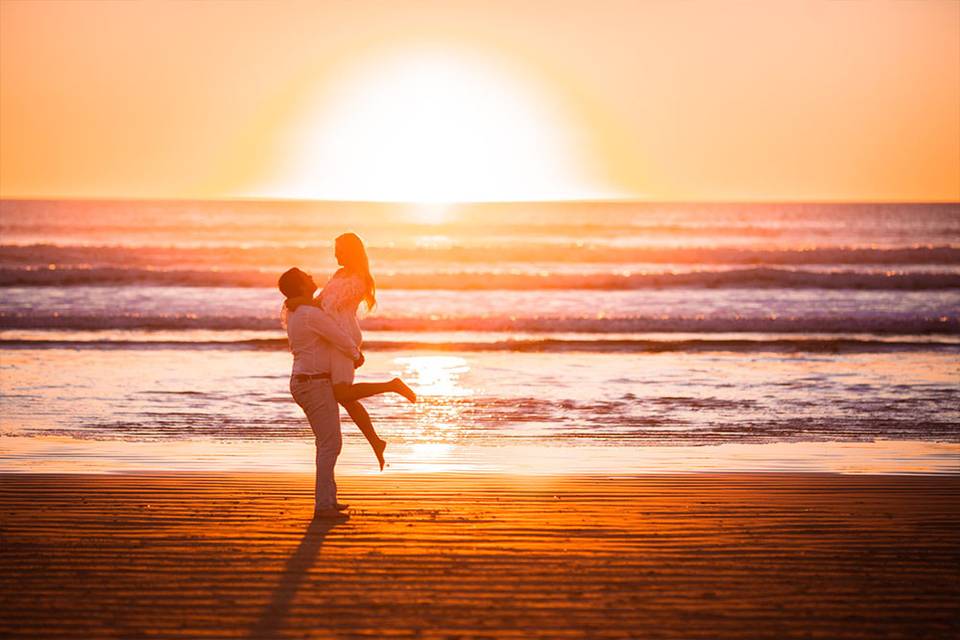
<point>438,423</point>
<point>435,375</point>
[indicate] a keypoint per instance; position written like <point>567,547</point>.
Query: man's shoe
<point>342,507</point>
<point>329,514</point>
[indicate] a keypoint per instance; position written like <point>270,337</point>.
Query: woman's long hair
<point>353,256</point>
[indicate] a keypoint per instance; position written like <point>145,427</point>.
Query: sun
<point>434,126</point>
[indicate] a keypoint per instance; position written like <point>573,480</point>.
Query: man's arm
<point>293,303</point>
<point>325,327</point>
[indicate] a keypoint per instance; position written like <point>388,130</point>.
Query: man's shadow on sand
<point>275,613</point>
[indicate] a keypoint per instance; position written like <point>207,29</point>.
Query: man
<point>312,334</point>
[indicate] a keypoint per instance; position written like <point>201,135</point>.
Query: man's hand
<point>359,362</point>
<point>293,303</point>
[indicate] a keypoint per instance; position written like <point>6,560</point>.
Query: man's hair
<point>290,282</point>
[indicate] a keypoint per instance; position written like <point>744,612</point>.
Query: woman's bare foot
<point>378,448</point>
<point>401,387</point>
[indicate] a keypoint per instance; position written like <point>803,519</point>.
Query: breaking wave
<point>875,324</point>
<point>759,277</point>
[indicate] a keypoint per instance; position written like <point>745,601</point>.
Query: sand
<point>450,556</point>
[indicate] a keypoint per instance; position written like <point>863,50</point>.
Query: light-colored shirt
<point>312,333</point>
<point>341,297</point>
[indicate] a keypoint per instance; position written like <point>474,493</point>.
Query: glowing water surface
<point>225,409</point>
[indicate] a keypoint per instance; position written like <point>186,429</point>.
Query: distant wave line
<point>760,277</point>
<point>314,227</point>
<point>876,324</point>
<point>237,256</point>
<point>778,345</point>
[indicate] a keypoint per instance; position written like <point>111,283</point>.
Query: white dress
<point>340,298</point>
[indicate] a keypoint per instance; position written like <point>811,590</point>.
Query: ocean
<point>600,338</point>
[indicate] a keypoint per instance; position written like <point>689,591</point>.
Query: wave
<point>813,324</point>
<point>265,231</point>
<point>275,257</point>
<point>777,345</point>
<point>761,277</point>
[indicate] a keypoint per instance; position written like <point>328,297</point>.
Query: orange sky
<point>481,100</point>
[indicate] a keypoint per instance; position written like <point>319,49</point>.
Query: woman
<point>341,298</point>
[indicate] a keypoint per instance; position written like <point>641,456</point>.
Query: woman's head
<point>352,256</point>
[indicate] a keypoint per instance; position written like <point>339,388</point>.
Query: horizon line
<point>29,198</point>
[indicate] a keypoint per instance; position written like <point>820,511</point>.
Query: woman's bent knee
<point>342,393</point>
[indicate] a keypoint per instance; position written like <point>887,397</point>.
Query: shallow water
<point>611,413</point>
<point>597,338</point>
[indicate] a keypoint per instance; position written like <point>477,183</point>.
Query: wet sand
<point>451,556</point>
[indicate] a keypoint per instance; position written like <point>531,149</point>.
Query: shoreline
<point>719,555</point>
<point>496,475</point>
<point>64,454</point>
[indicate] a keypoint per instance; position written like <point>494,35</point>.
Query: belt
<point>303,377</point>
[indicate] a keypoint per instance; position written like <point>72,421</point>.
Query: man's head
<point>294,283</point>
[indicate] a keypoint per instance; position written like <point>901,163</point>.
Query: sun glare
<point>434,127</point>
<point>430,212</point>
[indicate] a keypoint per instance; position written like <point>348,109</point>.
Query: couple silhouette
<point>325,339</point>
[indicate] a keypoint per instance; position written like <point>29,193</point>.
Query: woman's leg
<point>360,390</point>
<point>362,419</point>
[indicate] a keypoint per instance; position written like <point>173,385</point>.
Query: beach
<point>191,555</point>
<point>634,420</point>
